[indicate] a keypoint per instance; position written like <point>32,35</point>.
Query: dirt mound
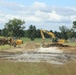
<point>30,45</point>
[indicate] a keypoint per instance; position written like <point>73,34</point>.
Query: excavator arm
<point>42,34</point>
<point>49,33</point>
<point>43,38</point>
<point>55,40</point>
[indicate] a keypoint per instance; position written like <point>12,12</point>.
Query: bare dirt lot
<point>34,53</point>
<point>32,47</point>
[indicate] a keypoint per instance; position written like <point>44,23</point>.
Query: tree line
<point>16,28</point>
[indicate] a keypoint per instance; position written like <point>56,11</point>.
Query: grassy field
<point>22,68</point>
<point>37,40</point>
<point>47,40</point>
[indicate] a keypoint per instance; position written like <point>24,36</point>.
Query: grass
<point>1,36</point>
<point>47,40</point>
<point>5,47</point>
<point>25,39</point>
<point>37,40</point>
<point>71,43</point>
<point>22,68</point>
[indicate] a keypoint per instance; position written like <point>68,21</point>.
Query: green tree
<point>4,32</point>
<point>26,33</point>
<point>63,30</point>
<point>74,24</point>
<point>57,34</point>
<point>70,33</point>
<point>32,32</point>
<point>15,27</point>
<point>0,32</point>
<point>38,34</point>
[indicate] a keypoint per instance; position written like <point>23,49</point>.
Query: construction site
<point>56,52</point>
<point>41,56</point>
<point>37,37</point>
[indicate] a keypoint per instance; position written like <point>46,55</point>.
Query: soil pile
<point>30,45</point>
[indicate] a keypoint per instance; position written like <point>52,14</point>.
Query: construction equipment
<point>4,41</point>
<point>55,41</point>
<point>15,42</point>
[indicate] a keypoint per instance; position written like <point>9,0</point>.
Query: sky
<point>45,14</point>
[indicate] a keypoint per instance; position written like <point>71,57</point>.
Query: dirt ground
<point>32,47</point>
<point>70,49</point>
<point>32,52</point>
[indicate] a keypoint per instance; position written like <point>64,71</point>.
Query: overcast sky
<point>45,14</point>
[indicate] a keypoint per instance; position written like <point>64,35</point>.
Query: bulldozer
<point>15,42</point>
<point>55,41</point>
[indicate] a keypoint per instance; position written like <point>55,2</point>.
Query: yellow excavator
<point>55,41</point>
